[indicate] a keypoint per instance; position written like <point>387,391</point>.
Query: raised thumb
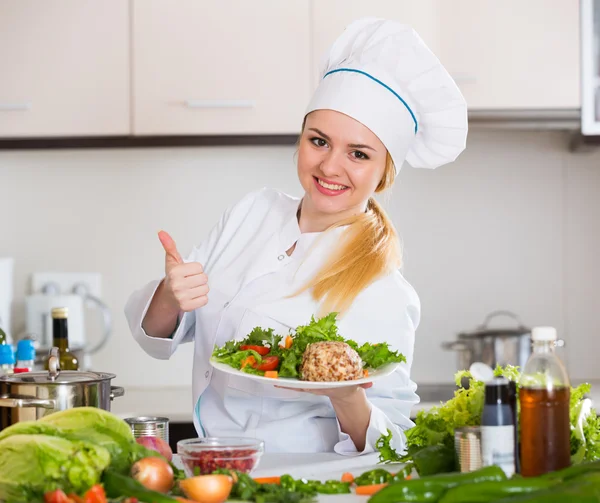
<point>170,248</point>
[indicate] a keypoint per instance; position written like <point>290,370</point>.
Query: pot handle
<point>455,346</point>
<point>495,314</point>
<point>14,402</point>
<point>116,392</point>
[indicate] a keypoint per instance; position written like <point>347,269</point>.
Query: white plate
<point>289,382</point>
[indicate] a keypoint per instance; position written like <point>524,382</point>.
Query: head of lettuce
<point>31,465</point>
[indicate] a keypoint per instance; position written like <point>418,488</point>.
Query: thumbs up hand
<point>185,285</point>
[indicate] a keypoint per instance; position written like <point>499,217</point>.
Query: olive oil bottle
<point>60,339</point>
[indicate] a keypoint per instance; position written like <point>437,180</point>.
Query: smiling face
<point>340,164</point>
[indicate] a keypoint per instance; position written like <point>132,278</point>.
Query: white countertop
<point>176,403</point>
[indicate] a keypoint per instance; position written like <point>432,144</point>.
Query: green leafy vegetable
<point>31,465</point>
<point>288,491</point>
<point>430,443</point>
<point>88,424</point>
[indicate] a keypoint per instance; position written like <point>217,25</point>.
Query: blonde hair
<point>369,249</point>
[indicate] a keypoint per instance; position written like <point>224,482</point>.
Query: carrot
<point>369,490</point>
<point>271,373</point>
<point>268,480</point>
<point>347,477</point>
<point>288,342</point>
<point>366,372</point>
<point>250,360</point>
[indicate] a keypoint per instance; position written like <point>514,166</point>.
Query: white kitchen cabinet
<point>512,54</point>
<point>220,66</point>
<point>64,68</point>
<point>330,17</point>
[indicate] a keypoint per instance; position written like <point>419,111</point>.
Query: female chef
<point>274,260</point>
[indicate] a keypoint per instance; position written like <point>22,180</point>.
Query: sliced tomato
<point>261,350</point>
<point>95,494</point>
<point>56,496</point>
<point>76,499</point>
<point>268,363</point>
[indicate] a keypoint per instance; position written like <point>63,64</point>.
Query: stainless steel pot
<point>31,395</point>
<point>494,346</point>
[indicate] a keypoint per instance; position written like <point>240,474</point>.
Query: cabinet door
<point>64,68</point>
<point>220,66</point>
<point>512,53</point>
<point>330,17</point>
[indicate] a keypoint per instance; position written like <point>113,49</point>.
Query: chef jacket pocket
<point>252,319</point>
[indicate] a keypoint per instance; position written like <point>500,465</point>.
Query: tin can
<point>467,444</point>
<point>147,426</point>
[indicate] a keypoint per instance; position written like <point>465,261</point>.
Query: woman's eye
<point>319,142</point>
<point>360,155</point>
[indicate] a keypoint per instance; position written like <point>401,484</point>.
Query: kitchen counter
<point>176,403</point>
<point>318,466</point>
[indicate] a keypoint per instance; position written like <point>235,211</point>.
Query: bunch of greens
<point>430,443</point>
<point>288,490</point>
<point>290,355</point>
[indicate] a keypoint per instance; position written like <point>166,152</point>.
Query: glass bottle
<point>60,339</point>
<point>25,355</point>
<point>7,359</point>
<point>544,399</point>
<point>497,427</point>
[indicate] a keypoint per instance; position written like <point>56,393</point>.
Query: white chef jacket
<point>251,280</point>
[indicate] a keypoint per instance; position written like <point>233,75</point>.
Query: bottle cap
<point>543,334</point>
<point>7,355</point>
<point>497,391</point>
<point>25,350</point>
<point>60,313</point>
<point>481,371</point>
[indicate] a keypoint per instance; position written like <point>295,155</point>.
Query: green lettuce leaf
<point>31,465</point>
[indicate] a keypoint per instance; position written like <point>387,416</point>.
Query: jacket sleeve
<point>391,398</point>
<point>138,303</point>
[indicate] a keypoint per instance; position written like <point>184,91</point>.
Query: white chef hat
<point>382,74</point>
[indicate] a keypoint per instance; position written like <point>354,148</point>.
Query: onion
<point>153,473</point>
<point>207,488</point>
<point>156,444</point>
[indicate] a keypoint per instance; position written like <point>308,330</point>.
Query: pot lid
<point>64,377</point>
<point>484,329</point>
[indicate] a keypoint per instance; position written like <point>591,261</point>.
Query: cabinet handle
<point>14,107</point>
<point>220,103</point>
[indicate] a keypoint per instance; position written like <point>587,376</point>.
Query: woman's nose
<point>331,165</point>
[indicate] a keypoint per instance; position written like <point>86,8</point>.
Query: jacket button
<point>226,304</point>
<point>206,374</point>
<point>281,257</point>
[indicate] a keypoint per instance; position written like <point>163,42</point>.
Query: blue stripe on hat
<point>380,83</point>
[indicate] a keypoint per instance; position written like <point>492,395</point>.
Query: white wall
<point>513,224</point>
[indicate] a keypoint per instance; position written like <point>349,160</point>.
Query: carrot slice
<point>369,490</point>
<point>366,372</point>
<point>288,342</point>
<point>268,480</point>
<point>272,374</point>
<point>249,361</point>
<point>347,477</point>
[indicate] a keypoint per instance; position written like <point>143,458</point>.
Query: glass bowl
<point>202,456</point>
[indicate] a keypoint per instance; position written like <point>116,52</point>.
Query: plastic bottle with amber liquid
<point>60,339</point>
<point>544,399</point>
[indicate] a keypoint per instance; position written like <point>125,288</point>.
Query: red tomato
<point>56,496</point>
<point>269,363</point>
<point>95,494</point>
<point>261,350</point>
